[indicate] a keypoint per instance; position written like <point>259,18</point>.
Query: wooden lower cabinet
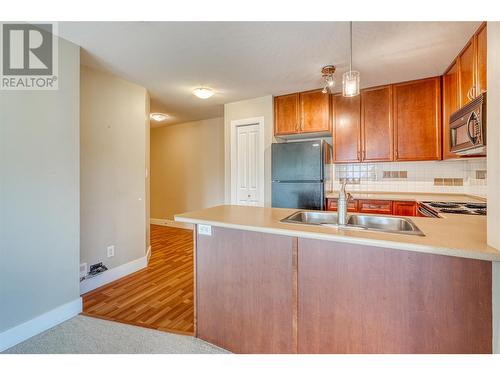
<point>372,206</point>
<point>265,293</point>
<point>332,203</point>
<point>359,299</point>
<point>245,294</point>
<point>404,208</point>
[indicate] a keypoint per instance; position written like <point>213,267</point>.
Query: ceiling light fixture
<point>350,79</point>
<point>203,92</point>
<point>327,72</point>
<point>158,117</point>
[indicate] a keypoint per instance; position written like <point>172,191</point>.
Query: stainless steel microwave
<point>468,128</point>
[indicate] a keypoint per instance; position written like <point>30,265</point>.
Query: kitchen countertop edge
<point>346,238</point>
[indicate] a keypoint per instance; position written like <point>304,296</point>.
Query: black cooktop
<point>463,208</point>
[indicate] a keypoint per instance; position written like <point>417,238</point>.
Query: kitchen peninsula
<point>263,286</point>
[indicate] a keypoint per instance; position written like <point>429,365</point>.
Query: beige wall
<point>113,142</point>
<point>257,107</point>
<point>39,196</point>
<point>148,172</point>
<point>187,167</point>
<point>493,122</point>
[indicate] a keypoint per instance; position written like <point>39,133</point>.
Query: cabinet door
<point>346,128</point>
<point>466,76</point>
<point>364,299</point>
<point>417,120</point>
<point>481,59</point>
<point>286,114</point>
<point>376,124</point>
<point>404,208</point>
<point>372,206</point>
<point>332,204</point>
<point>314,111</point>
<point>245,291</point>
<point>450,104</point>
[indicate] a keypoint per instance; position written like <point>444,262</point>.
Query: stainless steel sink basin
<point>385,223</point>
<point>312,217</point>
<point>390,224</point>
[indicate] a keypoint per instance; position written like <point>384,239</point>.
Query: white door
<point>248,156</point>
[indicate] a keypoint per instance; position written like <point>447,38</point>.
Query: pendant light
<point>328,72</point>
<point>350,79</point>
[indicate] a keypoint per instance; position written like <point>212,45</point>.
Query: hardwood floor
<point>159,296</point>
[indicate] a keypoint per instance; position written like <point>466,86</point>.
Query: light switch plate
<point>205,230</point>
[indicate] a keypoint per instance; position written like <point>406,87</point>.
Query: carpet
<point>86,335</point>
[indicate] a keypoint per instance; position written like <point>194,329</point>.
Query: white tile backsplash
<point>420,177</point>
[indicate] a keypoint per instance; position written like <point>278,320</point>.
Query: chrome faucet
<point>342,204</point>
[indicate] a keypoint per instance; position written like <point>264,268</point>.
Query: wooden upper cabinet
<point>346,128</point>
<point>451,103</point>
<point>464,81</point>
<point>466,73</point>
<point>417,122</point>
<point>481,47</point>
<point>286,114</point>
<point>302,113</point>
<point>376,124</point>
<point>314,111</point>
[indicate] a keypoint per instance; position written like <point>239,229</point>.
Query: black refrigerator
<point>298,174</point>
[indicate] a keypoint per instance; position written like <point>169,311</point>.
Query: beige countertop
<point>454,235</point>
<point>419,197</point>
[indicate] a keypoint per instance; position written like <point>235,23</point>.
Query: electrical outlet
<point>111,251</point>
<point>97,268</point>
<point>205,229</point>
<point>83,269</point>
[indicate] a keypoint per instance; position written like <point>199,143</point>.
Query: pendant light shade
<point>350,83</point>
<point>350,79</point>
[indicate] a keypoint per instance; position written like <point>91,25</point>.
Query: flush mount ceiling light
<point>158,117</point>
<point>203,92</point>
<point>350,79</point>
<point>327,72</point>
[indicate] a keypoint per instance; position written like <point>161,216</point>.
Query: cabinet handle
<point>364,155</point>
<point>359,155</point>
<point>470,94</point>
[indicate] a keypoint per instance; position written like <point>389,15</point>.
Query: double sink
<point>389,224</point>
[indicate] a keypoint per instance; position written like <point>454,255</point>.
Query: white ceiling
<point>243,60</point>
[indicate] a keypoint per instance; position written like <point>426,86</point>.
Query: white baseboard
<point>113,274</point>
<point>24,331</point>
<point>148,254</point>
<point>171,223</point>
